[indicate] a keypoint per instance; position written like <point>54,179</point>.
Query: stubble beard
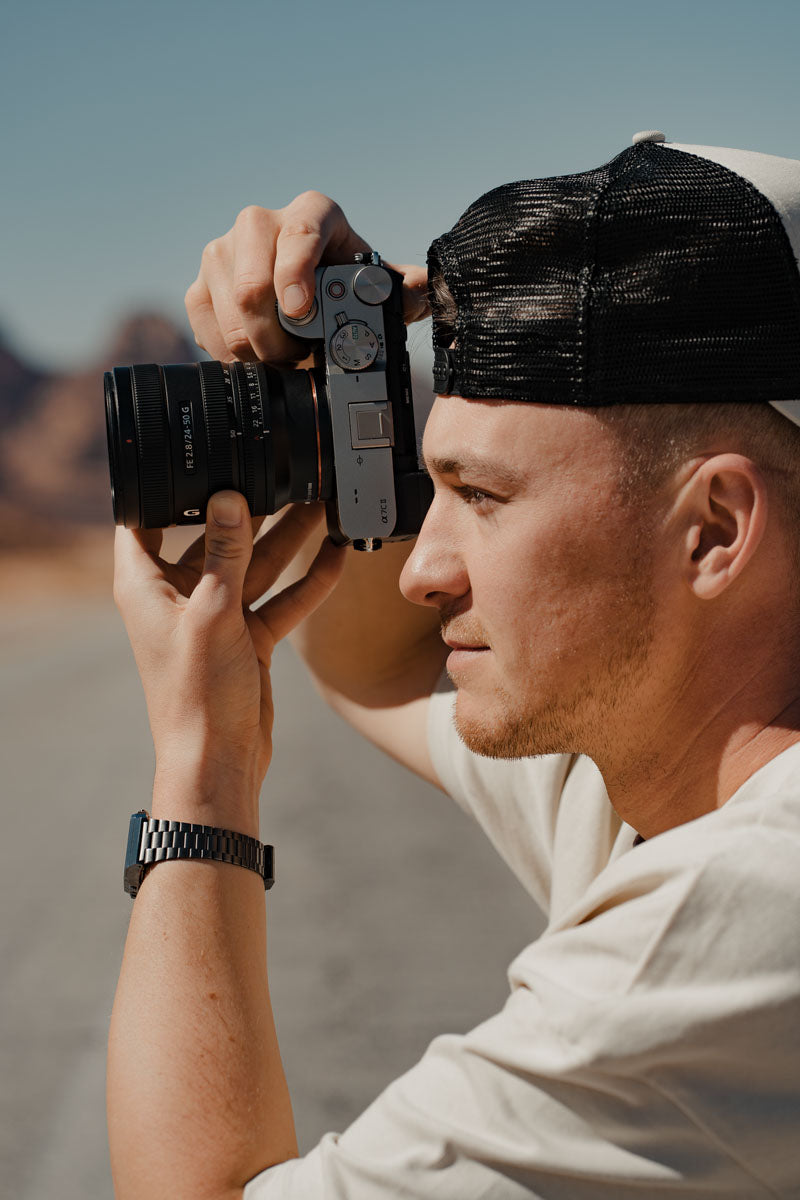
<point>593,718</point>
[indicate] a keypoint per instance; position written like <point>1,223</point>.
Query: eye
<point>475,497</point>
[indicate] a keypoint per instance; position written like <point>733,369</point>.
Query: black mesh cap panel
<point>661,277</point>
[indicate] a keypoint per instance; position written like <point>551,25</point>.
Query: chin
<point>507,730</point>
<point>492,734</point>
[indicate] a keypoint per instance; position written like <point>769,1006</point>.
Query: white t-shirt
<point>650,1045</point>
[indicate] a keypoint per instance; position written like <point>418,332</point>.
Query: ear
<point>726,511</point>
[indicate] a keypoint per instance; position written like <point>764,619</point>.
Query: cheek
<point>555,588</point>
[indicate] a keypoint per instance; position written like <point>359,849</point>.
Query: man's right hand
<point>271,254</point>
<point>375,657</point>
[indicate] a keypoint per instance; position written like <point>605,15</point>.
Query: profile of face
<point>541,571</point>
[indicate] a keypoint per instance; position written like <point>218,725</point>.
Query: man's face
<point>540,572</point>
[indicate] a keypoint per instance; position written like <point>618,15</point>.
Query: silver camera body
<point>356,325</point>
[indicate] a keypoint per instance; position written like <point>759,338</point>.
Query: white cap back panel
<point>776,178</point>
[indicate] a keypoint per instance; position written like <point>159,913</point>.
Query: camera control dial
<point>354,346</point>
<point>372,285</point>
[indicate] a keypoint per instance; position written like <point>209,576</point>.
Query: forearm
<point>197,1098</point>
<point>367,637</point>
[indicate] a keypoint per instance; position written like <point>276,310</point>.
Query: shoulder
<point>709,904</point>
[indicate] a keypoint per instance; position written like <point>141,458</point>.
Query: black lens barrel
<point>123,455</point>
<point>178,434</point>
<point>152,432</point>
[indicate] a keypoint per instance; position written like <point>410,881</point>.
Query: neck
<point>701,743</point>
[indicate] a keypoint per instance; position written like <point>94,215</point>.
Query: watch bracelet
<point>164,841</point>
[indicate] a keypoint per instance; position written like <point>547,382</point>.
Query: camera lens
<point>178,434</point>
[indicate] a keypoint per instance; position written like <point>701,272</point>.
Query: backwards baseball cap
<point>669,275</point>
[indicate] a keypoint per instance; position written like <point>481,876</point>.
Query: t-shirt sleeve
<point>636,1055</point>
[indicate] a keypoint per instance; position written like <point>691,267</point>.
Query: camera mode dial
<point>354,346</point>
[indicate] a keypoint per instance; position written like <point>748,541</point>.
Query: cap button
<point>648,135</point>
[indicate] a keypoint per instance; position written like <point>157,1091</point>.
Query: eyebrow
<point>469,465</point>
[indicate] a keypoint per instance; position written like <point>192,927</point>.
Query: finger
<point>194,554</point>
<point>200,311</point>
<point>252,286</point>
<point>282,613</point>
<point>216,267</point>
<point>314,229</point>
<point>228,546</point>
<point>273,553</point>
<point>150,540</point>
<point>415,291</point>
<point>135,559</point>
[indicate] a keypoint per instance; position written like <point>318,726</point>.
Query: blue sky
<point>133,133</point>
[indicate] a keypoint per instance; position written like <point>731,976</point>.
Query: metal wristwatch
<point>152,841</point>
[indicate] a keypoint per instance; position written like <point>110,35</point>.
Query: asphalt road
<point>392,919</point>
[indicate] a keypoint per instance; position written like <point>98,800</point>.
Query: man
<point>612,554</point>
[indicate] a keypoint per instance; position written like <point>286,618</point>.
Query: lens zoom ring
<point>248,447</point>
<point>249,391</point>
<point>152,435</point>
<point>218,427</point>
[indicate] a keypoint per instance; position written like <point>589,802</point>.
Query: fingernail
<point>295,299</point>
<point>225,510</point>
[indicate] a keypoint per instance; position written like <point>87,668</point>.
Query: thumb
<point>228,549</point>
<point>415,291</point>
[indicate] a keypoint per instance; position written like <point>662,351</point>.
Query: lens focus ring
<point>218,427</point>
<point>152,436</point>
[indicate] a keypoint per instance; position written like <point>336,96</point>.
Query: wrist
<point>204,791</point>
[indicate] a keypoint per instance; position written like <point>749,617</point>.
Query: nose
<point>435,573</point>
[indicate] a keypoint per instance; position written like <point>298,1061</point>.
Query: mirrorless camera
<point>341,431</point>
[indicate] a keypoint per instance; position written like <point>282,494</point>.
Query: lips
<point>459,636</point>
<point>466,649</point>
<point>463,653</point>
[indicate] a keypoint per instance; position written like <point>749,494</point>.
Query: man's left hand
<point>202,654</point>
